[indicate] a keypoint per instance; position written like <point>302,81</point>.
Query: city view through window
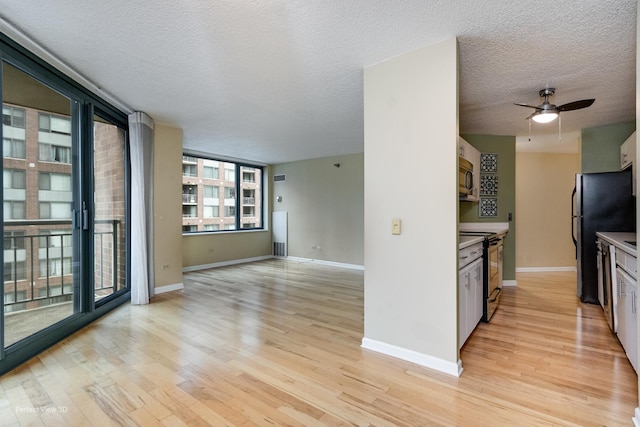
<point>37,207</point>
<point>220,195</point>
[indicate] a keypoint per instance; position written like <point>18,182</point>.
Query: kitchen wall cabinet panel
<point>628,156</point>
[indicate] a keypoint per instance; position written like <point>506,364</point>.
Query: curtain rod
<point>43,53</point>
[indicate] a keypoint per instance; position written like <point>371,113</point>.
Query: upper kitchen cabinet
<point>471,154</point>
<point>628,157</point>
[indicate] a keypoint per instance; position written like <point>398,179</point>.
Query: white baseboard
<point>543,269</point>
<point>636,418</point>
<point>421,359</point>
<point>330,263</point>
<point>225,263</point>
<point>169,288</point>
<point>510,283</point>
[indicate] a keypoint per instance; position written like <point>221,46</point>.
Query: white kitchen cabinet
<point>628,157</point>
<point>470,153</point>
<point>624,274</point>
<point>627,315</point>
<point>469,300</point>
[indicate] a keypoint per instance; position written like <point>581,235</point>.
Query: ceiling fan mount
<point>550,91</point>
<point>547,112</point>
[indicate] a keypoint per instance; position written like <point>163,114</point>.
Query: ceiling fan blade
<point>526,105</point>
<point>576,105</point>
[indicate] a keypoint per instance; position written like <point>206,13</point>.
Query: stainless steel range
<point>493,247</point>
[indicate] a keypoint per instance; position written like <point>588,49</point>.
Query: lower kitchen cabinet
<point>627,310</point>
<point>624,289</point>
<point>469,300</point>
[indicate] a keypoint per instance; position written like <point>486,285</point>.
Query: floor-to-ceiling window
<point>65,199</point>
<point>38,178</point>
<point>109,207</point>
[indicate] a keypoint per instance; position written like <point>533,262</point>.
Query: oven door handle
<point>496,291</point>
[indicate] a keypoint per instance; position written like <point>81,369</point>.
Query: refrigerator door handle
<point>573,219</point>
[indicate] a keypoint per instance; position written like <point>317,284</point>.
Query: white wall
<point>411,125</point>
<point>636,418</point>
<point>326,207</point>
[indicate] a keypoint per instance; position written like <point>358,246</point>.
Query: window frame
<point>85,104</point>
<point>11,109</point>
<point>13,144</point>
<point>235,183</point>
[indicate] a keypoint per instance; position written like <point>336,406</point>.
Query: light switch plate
<point>395,226</point>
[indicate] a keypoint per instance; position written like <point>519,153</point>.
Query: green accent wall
<point>505,147</point>
<point>601,147</point>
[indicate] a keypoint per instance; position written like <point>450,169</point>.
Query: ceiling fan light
<point>545,117</point>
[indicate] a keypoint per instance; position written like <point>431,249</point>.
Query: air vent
<point>279,178</point>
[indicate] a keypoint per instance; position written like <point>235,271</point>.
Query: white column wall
<point>411,126</point>
<point>636,417</point>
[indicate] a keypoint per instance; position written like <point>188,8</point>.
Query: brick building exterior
<point>37,196</point>
<point>209,195</point>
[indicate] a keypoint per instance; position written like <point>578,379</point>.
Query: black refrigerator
<point>601,202</point>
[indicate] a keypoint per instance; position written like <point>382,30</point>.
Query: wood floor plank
<point>277,342</point>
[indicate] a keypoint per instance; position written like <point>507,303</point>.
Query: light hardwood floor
<point>278,343</point>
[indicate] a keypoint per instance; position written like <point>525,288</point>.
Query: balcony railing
<point>190,198</point>
<point>248,200</point>
<point>41,265</point>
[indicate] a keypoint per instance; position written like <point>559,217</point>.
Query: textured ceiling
<point>276,81</point>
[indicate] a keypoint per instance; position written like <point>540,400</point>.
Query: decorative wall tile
<point>488,185</point>
<point>488,163</point>
<point>488,207</point>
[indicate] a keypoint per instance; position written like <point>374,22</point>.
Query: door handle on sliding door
<point>85,217</point>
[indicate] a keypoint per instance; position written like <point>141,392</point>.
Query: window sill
<point>210,233</point>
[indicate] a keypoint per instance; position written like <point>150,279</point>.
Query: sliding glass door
<point>109,201</point>
<point>40,265</point>
<point>64,217</point>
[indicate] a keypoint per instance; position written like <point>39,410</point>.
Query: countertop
<point>618,240</point>
<point>466,241</point>
<point>493,227</point>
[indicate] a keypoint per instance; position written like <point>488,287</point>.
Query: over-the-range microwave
<point>465,177</point>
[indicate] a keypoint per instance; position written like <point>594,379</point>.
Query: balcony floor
<point>21,324</point>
